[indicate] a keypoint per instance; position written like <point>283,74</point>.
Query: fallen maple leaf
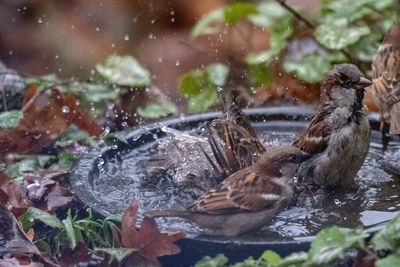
<point>147,240</point>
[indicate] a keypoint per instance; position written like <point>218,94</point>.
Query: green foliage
<point>33,214</point>
<point>306,69</point>
<point>218,261</point>
<point>237,11</point>
<point>124,71</point>
<point>156,111</point>
<point>116,254</point>
<point>10,119</point>
<point>95,232</point>
<point>331,244</point>
<point>201,86</point>
<point>26,164</point>
<point>390,261</point>
<point>389,237</point>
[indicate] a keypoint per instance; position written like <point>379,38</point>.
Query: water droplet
<point>97,29</point>
<point>177,63</point>
<point>337,201</point>
<point>10,52</point>
<point>126,37</point>
<point>65,109</point>
<point>153,21</point>
<point>113,45</point>
<point>40,20</point>
<point>160,59</point>
<point>56,56</point>
<point>172,19</point>
<point>219,89</point>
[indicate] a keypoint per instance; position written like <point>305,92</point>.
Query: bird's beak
<point>363,82</point>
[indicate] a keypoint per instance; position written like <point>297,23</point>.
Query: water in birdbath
<point>171,171</point>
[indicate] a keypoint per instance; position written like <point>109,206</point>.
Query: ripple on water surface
<point>152,172</point>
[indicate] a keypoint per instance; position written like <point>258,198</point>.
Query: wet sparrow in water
<point>247,199</point>
<point>386,79</point>
<point>339,134</point>
<point>234,143</point>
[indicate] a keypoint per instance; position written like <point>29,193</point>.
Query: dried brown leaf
<point>147,240</point>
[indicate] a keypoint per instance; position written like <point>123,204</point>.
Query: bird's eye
<point>348,83</point>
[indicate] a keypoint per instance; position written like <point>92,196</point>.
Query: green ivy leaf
<point>28,164</point>
<point>218,261</point>
<point>10,119</point>
<point>124,71</point>
<point>191,83</point>
<point>209,23</point>
<point>269,13</point>
<point>265,57</point>
<point>93,92</point>
<point>33,214</point>
<point>202,101</point>
<point>337,9</point>
<point>118,254</point>
<point>331,244</point>
<point>217,74</point>
<point>366,48</point>
<point>388,238</point>
<point>271,257</point>
<point>201,85</point>
<point>237,11</point>
<point>312,67</point>
<point>339,34</point>
<point>260,75</point>
<point>155,111</point>
<point>390,261</point>
<point>294,259</point>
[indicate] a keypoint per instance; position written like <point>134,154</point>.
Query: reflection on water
<point>166,174</point>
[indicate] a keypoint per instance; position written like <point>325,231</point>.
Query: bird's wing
<point>246,190</point>
<point>233,146</point>
<point>315,137</point>
<point>386,76</point>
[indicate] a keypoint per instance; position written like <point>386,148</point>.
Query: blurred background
<point>69,38</point>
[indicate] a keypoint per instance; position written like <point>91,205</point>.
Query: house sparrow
<point>234,142</point>
<point>13,240</point>
<point>386,79</point>
<point>247,199</point>
<point>339,134</point>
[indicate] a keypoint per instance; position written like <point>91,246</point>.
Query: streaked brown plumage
<point>260,182</point>
<point>234,142</point>
<point>339,134</point>
<point>249,198</point>
<point>386,79</point>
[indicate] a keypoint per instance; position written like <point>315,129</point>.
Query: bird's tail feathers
<point>395,119</point>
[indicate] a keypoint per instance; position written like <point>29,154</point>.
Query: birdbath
<point>107,180</point>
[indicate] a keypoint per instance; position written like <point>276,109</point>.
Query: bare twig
<point>296,14</point>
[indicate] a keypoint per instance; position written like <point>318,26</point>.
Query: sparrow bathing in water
<point>386,79</point>
<point>247,199</point>
<point>261,181</point>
